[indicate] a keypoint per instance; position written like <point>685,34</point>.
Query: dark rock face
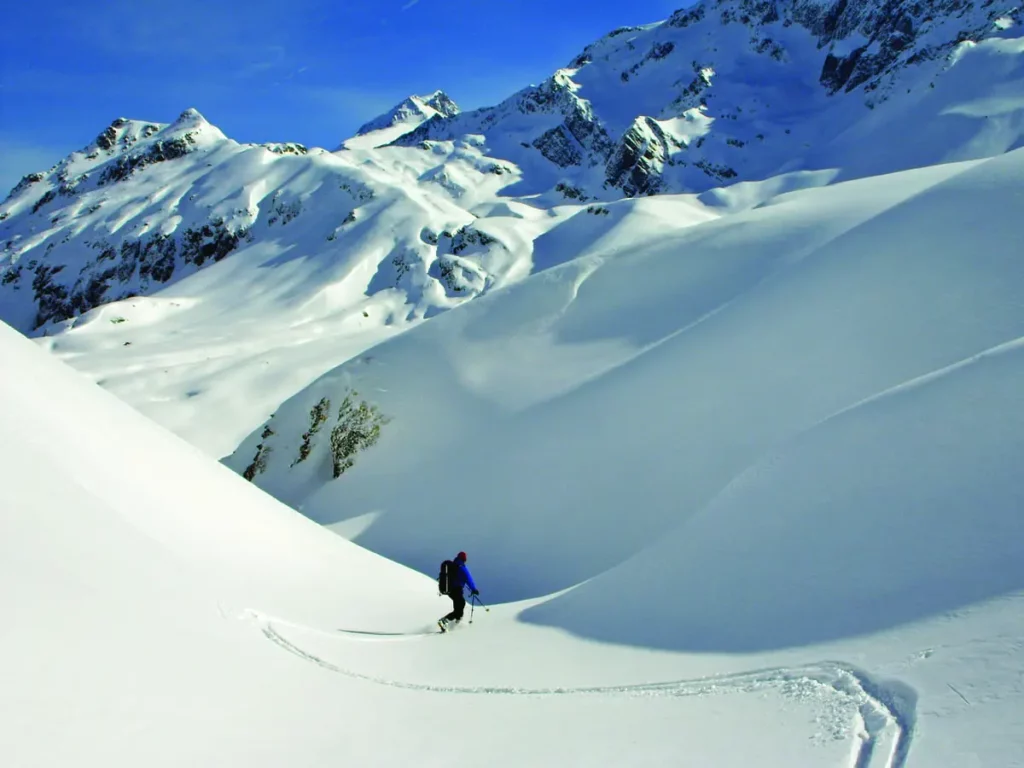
<point>107,140</point>
<point>716,171</point>
<point>211,241</point>
<point>581,138</point>
<point>287,148</point>
<point>569,192</point>
<point>51,297</point>
<point>658,51</point>
<point>894,31</point>
<point>837,72</point>
<point>466,237</point>
<point>160,151</point>
<point>686,16</point>
<point>49,197</point>
<point>643,152</point>
<point>136,262</point>
<point>118,137</point>
<point>444,104</point>
<point>68,186</point>
<point>29,178</point>
<point>559,147</point>
<point>26,181</point>
<point>589,131</point>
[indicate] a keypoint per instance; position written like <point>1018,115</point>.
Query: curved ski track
<point>886,709</point>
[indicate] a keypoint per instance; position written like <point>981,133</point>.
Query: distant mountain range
<point>720,93</point>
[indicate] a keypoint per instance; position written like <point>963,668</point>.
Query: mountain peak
<point>407,115</point>
<point>440,102</point>
<point>121,134</point>
<point>190,117</point>
<point>124,134</point>
<point>192,122</point>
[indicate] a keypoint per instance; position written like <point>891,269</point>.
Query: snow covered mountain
<point>151,254</point>
<point>732,90</point>
<point>146,205</point>
<point>723,92</point>
<point>403,118</point>
<point>709,350</point>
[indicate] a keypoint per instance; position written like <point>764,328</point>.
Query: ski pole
<point>471,607</point>
<point>477,599</point>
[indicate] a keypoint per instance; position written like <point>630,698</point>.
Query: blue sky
<point>304,70</point>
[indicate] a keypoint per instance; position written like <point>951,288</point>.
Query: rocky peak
<point>640,158</point>
<point>120,136</point>
<point>646,101</point>
<point>577,137</point>
<point>413,111</point>
<point>868,43</point>
<point>126,136</point>
<point>442,103</point>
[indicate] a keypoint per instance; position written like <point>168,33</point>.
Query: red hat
<point>461,556</point>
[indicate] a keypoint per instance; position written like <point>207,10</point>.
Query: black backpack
<point>447,578</point>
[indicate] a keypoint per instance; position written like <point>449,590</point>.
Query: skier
<point>459,580</point>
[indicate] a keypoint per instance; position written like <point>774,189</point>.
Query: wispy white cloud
<point>409,4</point>
<point>273,57</point>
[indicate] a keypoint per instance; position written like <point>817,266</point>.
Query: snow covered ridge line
<point>725,92</point>
<point>146,205</point>
<point>887,710</point>
<point>632,113</point>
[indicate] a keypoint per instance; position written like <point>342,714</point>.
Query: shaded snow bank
<point>901,507</point>
<point>681,363</point>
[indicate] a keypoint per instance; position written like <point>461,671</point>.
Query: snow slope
<point>741,462</point>
<point>789,433</point>
<point>636,383</point>
<point>159,610</point>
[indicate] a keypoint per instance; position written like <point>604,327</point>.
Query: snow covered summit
<point>401,119</point>
<point>414,109</point>
<point>731,90</point>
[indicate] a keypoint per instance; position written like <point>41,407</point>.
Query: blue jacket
<point>463,576</point>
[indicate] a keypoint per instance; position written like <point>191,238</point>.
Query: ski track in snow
<point>886,710</point>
